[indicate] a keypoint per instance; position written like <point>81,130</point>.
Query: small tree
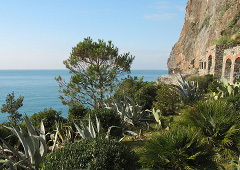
<point>95,67</point>
<point>11,107</point>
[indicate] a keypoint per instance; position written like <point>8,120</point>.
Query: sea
<point>40,89</point>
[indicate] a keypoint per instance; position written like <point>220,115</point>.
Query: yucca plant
<point>219,123</point>
<point>179,148</point>
<point>33,142</point>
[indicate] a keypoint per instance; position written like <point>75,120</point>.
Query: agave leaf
<point>9,163</point>
<point>55,140</point>
<point>32,131</point>
<point>98,125</point>
<point>91,128</point>
<point>15,131</point>
<point>12,149</point>
<point>80,131</point>
<point>42,130</point>
<point>43,150</point>
<point>109,131</point>
<point>130,133</point>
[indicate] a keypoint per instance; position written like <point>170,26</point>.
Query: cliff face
<point>205,22</point>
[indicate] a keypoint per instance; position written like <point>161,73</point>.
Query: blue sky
<point>40,34</point>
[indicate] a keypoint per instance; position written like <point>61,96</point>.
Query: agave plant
<point>34,146</point>
<point>92,131</point>
<point>89,131</point>
<point>188,90</point>
<point>128,111</point>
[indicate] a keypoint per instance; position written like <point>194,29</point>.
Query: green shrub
<point>143,93</point>
<point>225,40</point>
<point>129,86</point>
<point>180,148</point>
<point>49,117</point>
<point>76,112</point>
<point>92,154</point>
<point>166,100</point>
<point>107,118</point>
<point>219,123</point>
<point>145,96</point>
<point>234,100</point>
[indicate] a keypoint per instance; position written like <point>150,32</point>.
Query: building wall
<point>223,61</point>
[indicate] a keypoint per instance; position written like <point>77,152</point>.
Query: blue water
<point>40,89</point>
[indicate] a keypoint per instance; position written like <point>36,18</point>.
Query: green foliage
<point>129,86</point>
<point>95,67</point>
<point>235,20</point>
<point>225,40</point>
<point>49,118</point>
<point>218,121</point>
<point>146,95</point>
<point>166,100</point>
<point>180,148</point>
<point>76,112</point>
<point>143,93</point>
<point>33,142</point>
<point>205,23</point>
<point>234,100</point>
<point>92,154</point>
<point>203,81</point>
<point>11,107</point>
<point>107,118</point>
<point>192,25</point>
<point>227,90</point>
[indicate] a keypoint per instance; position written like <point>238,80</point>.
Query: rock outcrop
<point>205,22</point>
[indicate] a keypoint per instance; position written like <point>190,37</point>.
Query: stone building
<point>223,61</point>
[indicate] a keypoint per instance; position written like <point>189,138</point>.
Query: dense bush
<point>76,112</point>
<point>146,95</point>
<point>142,92</point>
<point>92,154</point>
<point>234,100</point>
<point>107,118</point>
<point>166,100</point>
<point>180,148</point>
<point>49,117</point>
<point>219,123</point>
<point>129,86</point>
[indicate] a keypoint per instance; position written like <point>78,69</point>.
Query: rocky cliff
<point>206,22</point>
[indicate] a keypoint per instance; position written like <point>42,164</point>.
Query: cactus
<point>227,90</point>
